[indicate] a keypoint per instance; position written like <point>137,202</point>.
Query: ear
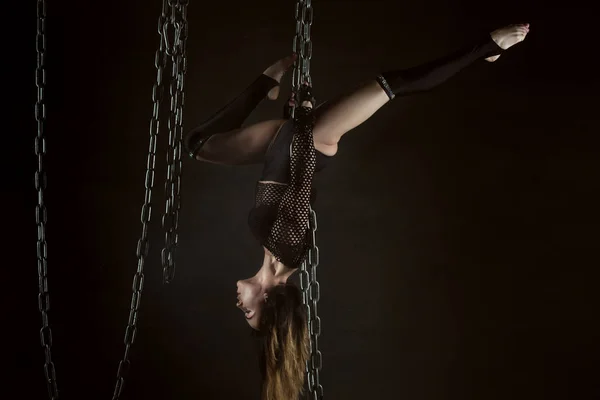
<point>265,296</point>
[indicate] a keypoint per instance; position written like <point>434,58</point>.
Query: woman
<point>279,219</point>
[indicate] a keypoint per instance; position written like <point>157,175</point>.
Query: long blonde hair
<point>285,345</point>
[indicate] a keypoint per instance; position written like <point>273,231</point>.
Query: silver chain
<point>160,61</point>
<point>309,284</point>
<point>173,15</point>
<point>302,46</point>
<point>40,209</point>
<point>311,293</point>
<point>177,51</point>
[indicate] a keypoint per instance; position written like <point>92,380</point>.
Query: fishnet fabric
<point>269,194</point>
<point>288,240</point>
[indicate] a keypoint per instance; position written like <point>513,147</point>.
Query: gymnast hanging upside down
<point>279,219</point>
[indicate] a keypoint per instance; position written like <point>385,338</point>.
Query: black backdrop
<point>458,228</point>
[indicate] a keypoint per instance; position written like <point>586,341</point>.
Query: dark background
<point>458,229</point>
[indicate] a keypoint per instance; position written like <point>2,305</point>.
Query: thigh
<point>246,145</point>
<point>335,118</point>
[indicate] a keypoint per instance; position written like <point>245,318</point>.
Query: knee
<point>326,148</point>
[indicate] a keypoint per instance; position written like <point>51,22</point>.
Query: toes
<point>524,28</point>
<point>522,34</point>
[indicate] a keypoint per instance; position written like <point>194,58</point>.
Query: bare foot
<point>508,36</point>
<point>276,71</point>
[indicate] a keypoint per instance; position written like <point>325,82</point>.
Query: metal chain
<point>146,213</point>
<point>311,293</point>
<point>176,49</point>
<point>40,209</point>
<point>302,46</point>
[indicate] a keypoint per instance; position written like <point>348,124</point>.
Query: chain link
<point>302,46</point>
<point>160,61</point>
<point>311,293</point>
<point>176,49</point>
<point>40,209</point>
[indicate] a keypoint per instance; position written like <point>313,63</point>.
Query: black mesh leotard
<point>283,228</point>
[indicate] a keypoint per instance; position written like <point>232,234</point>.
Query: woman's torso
<point>273,182</point>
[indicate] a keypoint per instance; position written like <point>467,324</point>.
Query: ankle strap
<point>385,86</point>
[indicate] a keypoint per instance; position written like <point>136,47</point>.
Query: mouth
<point>247,313</point>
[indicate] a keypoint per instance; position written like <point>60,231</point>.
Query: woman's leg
<point>241,146</point>
<point>334,119</point>
<point>222,140</point>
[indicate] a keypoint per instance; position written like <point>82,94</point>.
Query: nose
<point>238,284</point>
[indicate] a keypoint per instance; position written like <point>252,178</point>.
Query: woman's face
<point>250,299</point>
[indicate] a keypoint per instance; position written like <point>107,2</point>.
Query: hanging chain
<point>303,48</point>
<point>177,51</point>
<point>309,284</point>
<point>40,209</point>
<point>160,61</point>
<point>311,293</point>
